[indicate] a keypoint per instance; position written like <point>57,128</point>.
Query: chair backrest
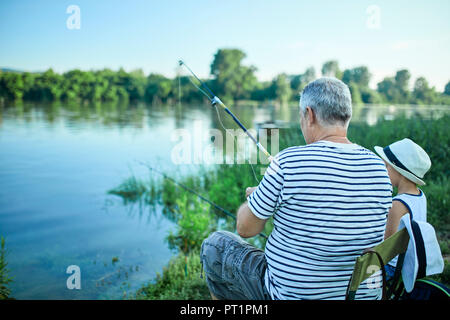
<point>387,250</point>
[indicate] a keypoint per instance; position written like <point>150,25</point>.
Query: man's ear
<point>311,117</point>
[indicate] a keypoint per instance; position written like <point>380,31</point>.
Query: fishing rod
<point>216,206</point>
<point>216,101</point>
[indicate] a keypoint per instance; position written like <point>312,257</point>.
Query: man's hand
<point>249,191</point>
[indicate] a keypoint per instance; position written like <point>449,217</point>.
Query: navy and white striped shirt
<point>329,202</point>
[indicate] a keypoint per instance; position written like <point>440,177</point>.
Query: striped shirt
<point>329,202</point>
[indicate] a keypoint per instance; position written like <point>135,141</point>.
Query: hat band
<point>392,158</point>
<point>420,244</point>
<point>420,250</point>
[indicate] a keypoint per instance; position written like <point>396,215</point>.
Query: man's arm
<point>247,224</point>
<point>262,202</point>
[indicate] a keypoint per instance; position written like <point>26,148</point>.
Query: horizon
<point>277,37</point>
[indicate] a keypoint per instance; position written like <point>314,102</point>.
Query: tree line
<point>230,79</point>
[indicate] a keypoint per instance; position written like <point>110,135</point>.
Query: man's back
<point>329,202</point>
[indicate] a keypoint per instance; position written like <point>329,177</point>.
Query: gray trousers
<point>234,269</point>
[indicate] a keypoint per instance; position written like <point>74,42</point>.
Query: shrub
<point>194,224</point>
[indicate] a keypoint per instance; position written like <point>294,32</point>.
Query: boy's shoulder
<point>413,195</point>
<point>413,202</point>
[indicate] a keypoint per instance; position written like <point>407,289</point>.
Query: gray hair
<point>330,99</point>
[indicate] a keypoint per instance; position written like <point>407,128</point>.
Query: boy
<point>406,163</point>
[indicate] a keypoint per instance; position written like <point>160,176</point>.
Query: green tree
<point>248,82</point>
<point>11,85</point>
<point>110,94</point>
<point>232,80</point>
<point>262,91</point>
<point>359,76</point>
<point>370,96</point>
<point>111,89</point>
<point>28,85</point>
<point>298,82</point>
<point>134,83</point>
<point>158,88</point>
<point>356,93</point>
<point>387,89</point>
<point>402,84</point>
<point>358,81</point>
<point>183,89</point>
<point>447,89</point>
<point>281,88</point>
<point>402,79</point>
<point>88,90</point>
<point>331,69</point>
<point>47,86</point>
<point>122,94</point>
<point>72,82</point>
<point>422,93</point>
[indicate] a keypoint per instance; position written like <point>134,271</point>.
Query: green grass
<point>225,185</point>
<point>179,281</point>
<point>5,279</point>
<point>131,189</point>
<point>444,277</point>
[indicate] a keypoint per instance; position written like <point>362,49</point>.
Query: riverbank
<point>225,185</point>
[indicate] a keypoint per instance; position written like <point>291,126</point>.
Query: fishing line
<point>234,138</point>
<point>215,106</point>
<point>216,206</point>
<point>209,98</point>
<point>181,63</point>
<point>215,100</point>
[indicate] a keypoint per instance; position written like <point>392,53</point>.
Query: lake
<point>57,164</point>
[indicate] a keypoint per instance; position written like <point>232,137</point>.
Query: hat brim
<point>404,173</point>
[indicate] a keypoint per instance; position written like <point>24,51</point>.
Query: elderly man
<point>329,200</point>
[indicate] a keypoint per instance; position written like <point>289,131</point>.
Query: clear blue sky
<point>278,36</point>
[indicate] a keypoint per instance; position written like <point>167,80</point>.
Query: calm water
<point>57,164</point>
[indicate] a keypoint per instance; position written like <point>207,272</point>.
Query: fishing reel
<point>215,101</point>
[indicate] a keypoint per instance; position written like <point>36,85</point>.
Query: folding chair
<point>379,256</point>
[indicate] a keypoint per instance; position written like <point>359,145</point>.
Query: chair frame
<point>379,256</point>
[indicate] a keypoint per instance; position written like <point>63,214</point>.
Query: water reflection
<point>142,115</point>
<point>370,114</point>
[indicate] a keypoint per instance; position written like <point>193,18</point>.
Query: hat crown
<point>412,156</point>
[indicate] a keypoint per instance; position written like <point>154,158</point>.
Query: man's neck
<point>334,134</point>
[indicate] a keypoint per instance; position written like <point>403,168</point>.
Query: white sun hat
<point>423,256</point>
<point>407,158</point>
